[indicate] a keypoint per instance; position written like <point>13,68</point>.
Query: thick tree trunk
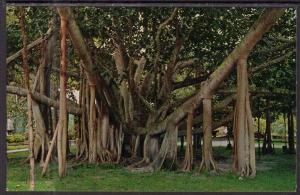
<point>244,146</point>
<point>208,162</point>
<point>188,159</point>
<point>29,99</point>
<point>154,158</point>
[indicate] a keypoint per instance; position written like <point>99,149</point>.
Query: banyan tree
<point>144,76</point>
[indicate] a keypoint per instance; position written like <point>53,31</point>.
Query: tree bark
<point>208,162</point>
<point>92,127</point>
<point>62,124</point>
<point>244,146</point>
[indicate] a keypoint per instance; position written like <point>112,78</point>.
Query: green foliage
<point>15,137</point>
<point>209,34</point>
<point>16,106</point>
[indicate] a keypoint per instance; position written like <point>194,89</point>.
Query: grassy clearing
<point>275,173</point>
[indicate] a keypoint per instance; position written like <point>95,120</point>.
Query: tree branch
<point>274,61</point>
<point>72,107</point>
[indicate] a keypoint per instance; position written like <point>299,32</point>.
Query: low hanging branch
<point>72,107</point>
<point>29,99</point>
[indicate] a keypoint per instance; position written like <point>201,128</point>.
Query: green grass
<point>10,147</point>
<point>275,173</point>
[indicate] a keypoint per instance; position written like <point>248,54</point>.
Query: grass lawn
<point>11,147</point>
<point>275,173</point>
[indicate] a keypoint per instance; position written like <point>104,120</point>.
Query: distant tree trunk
<point>181,143</point>
<point>194,142</point>
<point>135,145</point>
<point>29,99</point>
<point>62,123</point>
<point>258,138</point>
<point>244,148</point>
<point>267,146</point>
<point>208,162</point>
<point>188,159</point>
<point>291,136</point>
